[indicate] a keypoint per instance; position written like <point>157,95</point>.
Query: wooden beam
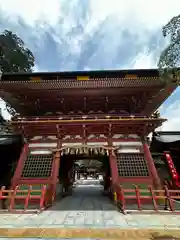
<point>121,120</point>
<point>68,141</point>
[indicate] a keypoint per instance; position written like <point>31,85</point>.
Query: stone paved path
<point>86,209</point>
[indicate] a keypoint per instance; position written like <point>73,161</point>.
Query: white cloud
<point>172,113</point>
<point>144,61</point>
<point>32,11</point>
<point>140,18</point>
<point>148,14</point>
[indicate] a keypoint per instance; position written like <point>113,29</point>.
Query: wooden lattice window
<point>132,165</point>
<point>38,166</point>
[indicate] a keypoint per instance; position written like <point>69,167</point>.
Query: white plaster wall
<point>130,150</point>
<point>48,145</point>
<point>128,147</point>
<point>128,144</point>
<point>34,152</point>
<point>71,144</point>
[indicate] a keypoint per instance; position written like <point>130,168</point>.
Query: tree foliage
<point>14,56</point>
<point>169,61</point>
<point>170,57</point>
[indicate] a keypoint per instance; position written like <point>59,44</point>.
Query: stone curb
<point>72,233</point>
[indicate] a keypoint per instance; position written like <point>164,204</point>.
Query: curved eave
<point>168,139</point>
<point>25,96</point>
<point>157,101</point>
<point>166,136</point>
<point>97,82</point>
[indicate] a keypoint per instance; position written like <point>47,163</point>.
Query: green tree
<point>14,56</point>
<point>170,58</point>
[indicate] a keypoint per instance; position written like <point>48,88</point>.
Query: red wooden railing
<point>24,196</point>
<point>152,196</point>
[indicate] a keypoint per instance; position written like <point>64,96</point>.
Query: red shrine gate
<point>122,162</point>
<point>60,113</point>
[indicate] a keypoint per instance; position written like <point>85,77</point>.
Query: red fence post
<point>153,198</point>
<point>138,197</point>
<point>2,197</point>
<point>28,197</point>
<point>1,192</point>
<point>122,197</point>
<point>13,197</point>
<point>42,199</point>
<point>171,205</point>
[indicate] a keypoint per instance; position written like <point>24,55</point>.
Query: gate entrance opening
<point>84,164</point>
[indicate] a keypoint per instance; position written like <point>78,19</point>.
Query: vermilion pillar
<point>151,164</point>
<point>56,163</point>
<point>55,173</point>
<point>56,166</point>
<point>20,165</point>
<point>114,167</point>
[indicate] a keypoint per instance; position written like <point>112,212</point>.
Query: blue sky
<point>93,34</point>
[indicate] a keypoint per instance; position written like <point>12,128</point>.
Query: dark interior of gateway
<point>10,150</point>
